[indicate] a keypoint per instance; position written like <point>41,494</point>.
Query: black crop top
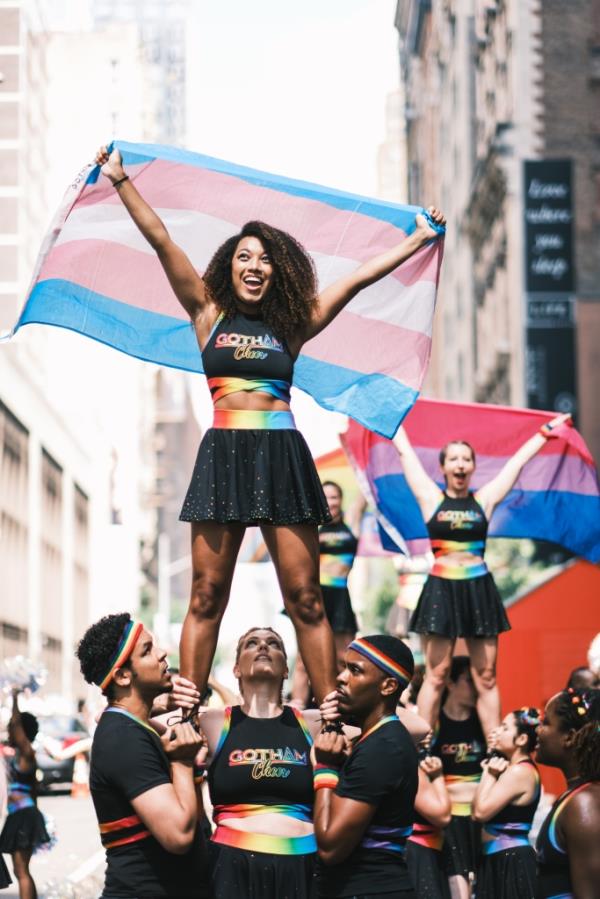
<point>262,761</point>
<point>553,861</point>
<point>461,747</point>
<point>243,354</point>
<point>461,520</point>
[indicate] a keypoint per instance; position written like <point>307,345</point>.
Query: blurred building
<point>391,157</point>
<point>502,100</point>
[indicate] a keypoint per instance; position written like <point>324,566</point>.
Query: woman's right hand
<point>111,165</point>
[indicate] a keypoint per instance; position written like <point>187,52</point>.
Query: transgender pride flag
<point>556,498</point>
<point>97,275</point>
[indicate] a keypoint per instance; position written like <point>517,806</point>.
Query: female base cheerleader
<point>460,598</point>
<point>252,311</point>
<point>568,844</point>
<point>424,845</point>
<point>505,803</point>
<point>24,829</point>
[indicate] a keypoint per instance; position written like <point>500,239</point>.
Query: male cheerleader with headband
<point>364,801</point>
<point>142,784</point>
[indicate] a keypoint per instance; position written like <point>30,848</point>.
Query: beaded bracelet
<point>325,778</point>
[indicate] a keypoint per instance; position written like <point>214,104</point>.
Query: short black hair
<point>98,645</point>
<point>30,725</point>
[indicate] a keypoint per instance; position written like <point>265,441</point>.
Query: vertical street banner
<point>549,285</point>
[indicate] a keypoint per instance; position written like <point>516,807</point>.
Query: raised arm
<point>333,299</point>
<point>500,784</point>
<point>492,493</point>
<point>355,513</point>
<point>187,284</point>
<point>17,733</point>
<point>426,492</point>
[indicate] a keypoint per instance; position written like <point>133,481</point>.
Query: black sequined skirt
<point>262,476</point>
<point>240,874</point>
<point>510,874</point>
<point>338,609</point>
<point>462,846</point>
<point>452,608</point>
<point>24,829</point>
<point>426,872</point>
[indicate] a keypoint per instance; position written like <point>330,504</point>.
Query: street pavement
<point>74,868</point>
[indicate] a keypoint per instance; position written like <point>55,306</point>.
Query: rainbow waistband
<point>505,836</point>
<point>427,835</point>
<point>253,420</point>
<point>391,839</point>
<point>264,842</point>
<point>462,809</point>
<point>453,571</point>
<point>122,832</point>
<point>220,387</point>
<point>19,797</point>
<point>343,561</point>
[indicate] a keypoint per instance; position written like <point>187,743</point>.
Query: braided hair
<point>527,720</point>
<point>579,710</point>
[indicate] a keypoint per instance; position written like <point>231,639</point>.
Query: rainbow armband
<point>325,778</point>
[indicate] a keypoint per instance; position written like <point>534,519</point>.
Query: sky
<point>298,89</point>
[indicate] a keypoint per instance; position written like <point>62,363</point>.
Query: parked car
<point>55,749</point>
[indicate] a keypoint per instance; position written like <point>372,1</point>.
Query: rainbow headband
<point>131,635</point>
<point>382,661</point>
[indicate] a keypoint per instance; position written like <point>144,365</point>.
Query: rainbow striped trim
<point>127,714</point>
<point>248,810</point>
<point>562,802</point>
<point>461,809</point>
<point>443,547</point>
<point>382,661</point>
<point>375,727</point>
<point>264,842</point>
<point>131,635</point>
<point>325,778</point>
<point>224,730</point>
<point>450,571</point>
<point>391,839</point>
<point>338,580</point>
<point>253,420</point>
<point>462,778</point>
<point>19,797</point>
<point>303,725</point>
<point>427,835</point>
<point>221,387</point>
<point>504,836</point>
<point>122,824</point>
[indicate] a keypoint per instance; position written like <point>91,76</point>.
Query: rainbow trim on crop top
<point>262,842</point>
<point>427,835</point>
<point>19,797</point>
<point>559,808</point>
<point>452,570</point>
<point>510,836</point>
<point>221,387</point>
<point>254,420</point>
<point>345,560</point>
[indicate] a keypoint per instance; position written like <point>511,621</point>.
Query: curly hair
<point>288,305</point>
<point>98,645</point>
<point>586,746</point>
<point>527,721</point>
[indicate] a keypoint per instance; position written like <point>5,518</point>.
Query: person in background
<point>424,848</point>
<point>142,784</point>
<point>459,742</point>
<point>505,803</point>
<point>582,678</point>
<point>568,843</point>
<point>24,829</point>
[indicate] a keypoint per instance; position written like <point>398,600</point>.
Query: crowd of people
<point>361,796</point>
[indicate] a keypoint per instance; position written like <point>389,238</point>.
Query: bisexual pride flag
<point>556,498</point>
<point>97,275</point>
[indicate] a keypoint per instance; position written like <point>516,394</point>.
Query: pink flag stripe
<point>384,348</point>
<point>318,226</point>
<point>409,307</point>
<point>540,473</point>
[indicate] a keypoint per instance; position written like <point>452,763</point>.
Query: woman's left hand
<point>329,708</point>
<point>424,229</point>
<point>183,695</point>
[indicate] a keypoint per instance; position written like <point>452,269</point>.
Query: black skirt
<point>462,846</point>
<point>510,874</point>
<point>255,477</point>
<point>426,872</point>
<point>238,874</point>
<point>5,878</point>
<point>338,609</point>
<point>452,608</point>
<point>25,829</point>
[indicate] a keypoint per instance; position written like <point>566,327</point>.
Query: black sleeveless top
<point>336,542</point>
<point>554,876</point>
<point>243,354</point>
<point>458,519</point>
<point>509,828</point>
<point>262,761</point>
<point>461,746</point>
<point>22,787</point>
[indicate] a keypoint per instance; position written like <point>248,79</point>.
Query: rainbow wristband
<point>547,432</point>
<point>325,778</point>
